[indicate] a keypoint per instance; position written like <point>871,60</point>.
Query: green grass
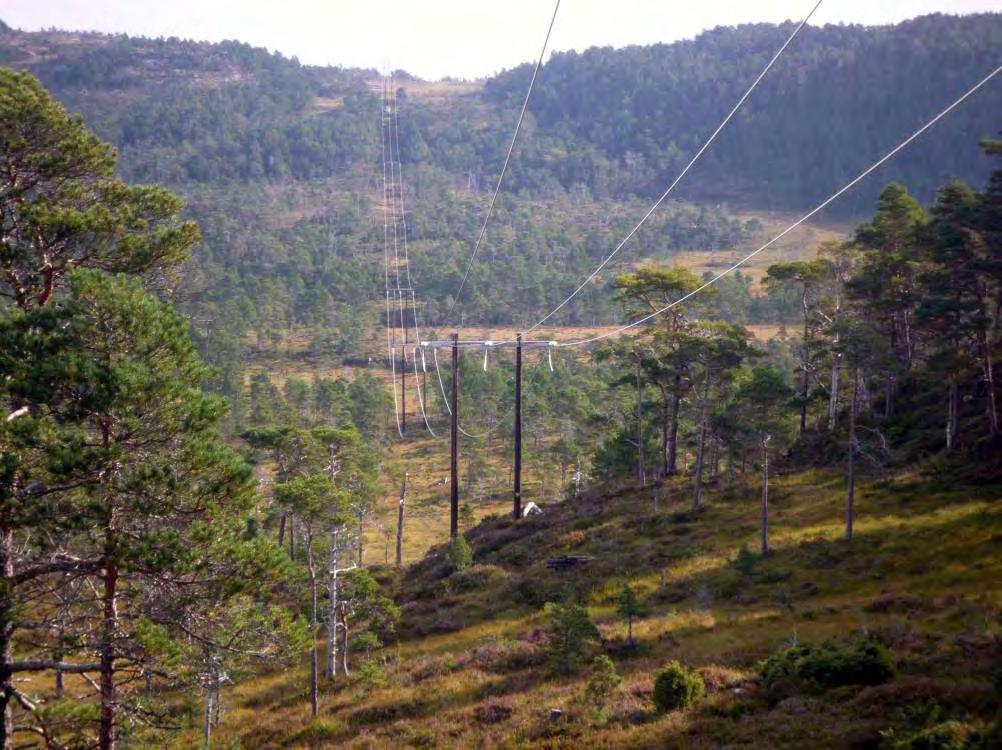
<point>922,575</point>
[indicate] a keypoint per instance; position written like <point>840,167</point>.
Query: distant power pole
<point>454,446</point>
<point>517,510</point>
<point>400,523</point>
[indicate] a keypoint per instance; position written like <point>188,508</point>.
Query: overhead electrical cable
<point>709,141</point>
<point>821,206</point>
<point>507,161</point>
<point>445,399</point>
<point>420,393</point>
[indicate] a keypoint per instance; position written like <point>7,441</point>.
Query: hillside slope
<point>921,575</point>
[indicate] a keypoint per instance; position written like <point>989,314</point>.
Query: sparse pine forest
<point>768,515</point>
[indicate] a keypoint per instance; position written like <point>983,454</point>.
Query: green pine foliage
<point>602,683</point>
<point>570,630</point>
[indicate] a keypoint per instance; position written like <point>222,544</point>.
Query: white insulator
<point>424,364</point>
<point>549,357</point>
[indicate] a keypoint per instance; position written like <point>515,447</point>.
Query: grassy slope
<point>923,573</point>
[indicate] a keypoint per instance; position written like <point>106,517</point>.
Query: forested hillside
<point>616,122</point>
<point>840,97</point>
<point>280,161</point>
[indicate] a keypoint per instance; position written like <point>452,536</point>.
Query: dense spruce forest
<point>768,516</point>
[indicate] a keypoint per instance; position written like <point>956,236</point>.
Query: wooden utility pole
<point>454,444</point>
<point>517,511</point>
<point>455,344</point>
<point>424,380</point>
<point>400,523</point>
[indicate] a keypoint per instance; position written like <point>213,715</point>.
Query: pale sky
<point>437,38</point>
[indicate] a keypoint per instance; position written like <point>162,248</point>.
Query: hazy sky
<point>436,38</point>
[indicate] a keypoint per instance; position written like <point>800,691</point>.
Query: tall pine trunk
<point>332,607</point>
<point>207,721</point>
<point>850,499</point>
<point>109,631</point>
<point>803,369</point>
<point>952,413</point>
<point>989,375</point>
<point>889,380</point>
<point>314,624</point>
<point>697,489</point>
<point>641,463</point>
<point>672,442</point>
<point>765,494</point>
<point>6,632</point>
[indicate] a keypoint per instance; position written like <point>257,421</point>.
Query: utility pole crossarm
<point>484,344</point>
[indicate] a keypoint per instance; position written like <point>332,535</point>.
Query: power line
<point>420,394</point>
<point>890,154</point>
<point>507,160</point>
<point>445,399</point>
<point>395,145</point>
<point>678,179</point>
<point>390,335</point>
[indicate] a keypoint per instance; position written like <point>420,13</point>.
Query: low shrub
<point>946,735</point>
<point>676,687</point>
<point>503,655</point>
<point>828,665</point>
<point>318,730</point>
<point>478,577</point>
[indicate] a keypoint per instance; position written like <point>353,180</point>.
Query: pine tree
<point>761,405</point>
<point>629,607</point>
<point>569,629</point>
